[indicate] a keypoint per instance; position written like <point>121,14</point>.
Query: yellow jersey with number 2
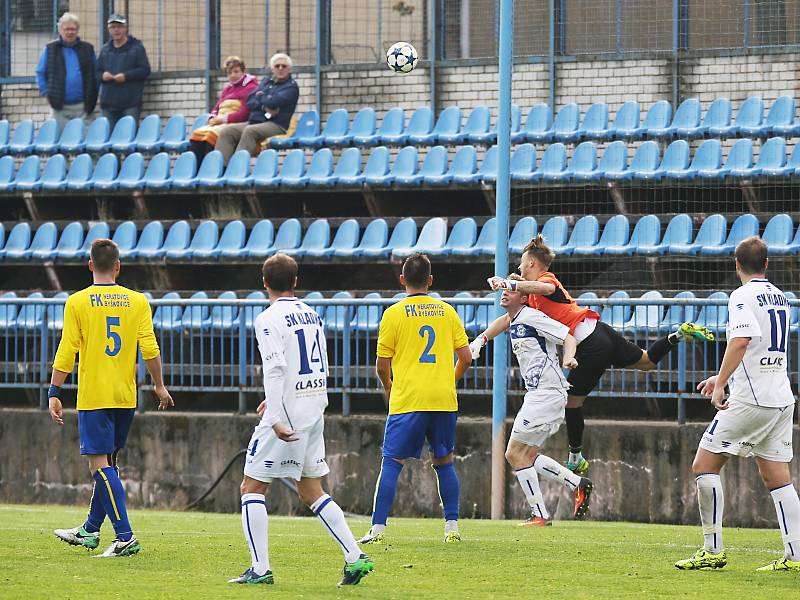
<point>105,323</point>
<point>420,335</point>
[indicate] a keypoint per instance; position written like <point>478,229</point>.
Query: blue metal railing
<point>208,345</point>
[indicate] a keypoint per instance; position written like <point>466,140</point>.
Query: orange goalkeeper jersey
<point>560,305</point>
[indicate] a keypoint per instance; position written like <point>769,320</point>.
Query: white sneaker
<point>120,548</point>
<point>78,536</point>
<point>372,538</point>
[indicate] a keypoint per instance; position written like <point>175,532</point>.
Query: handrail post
<point>346,366</point>
<point>242,361</point>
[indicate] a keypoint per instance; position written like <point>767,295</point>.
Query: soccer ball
<point>402,57</point>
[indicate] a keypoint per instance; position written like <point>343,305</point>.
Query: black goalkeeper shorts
<point>604,348</point>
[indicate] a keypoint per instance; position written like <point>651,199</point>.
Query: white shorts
<point>749,430</point>
<point>268,457</point>
<point>538,420</point>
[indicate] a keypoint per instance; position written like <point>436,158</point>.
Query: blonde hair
<point>278,56</point>
<point>538,250</point>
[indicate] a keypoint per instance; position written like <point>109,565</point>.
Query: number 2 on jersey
<point>115,342</point>
<point>426,356</point>
<point>777,321</point>
<point>305,359</point>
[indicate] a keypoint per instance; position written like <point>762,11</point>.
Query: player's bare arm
<point>154,368</point>
<point>56,381</point>
<point>383,368</point>
<point>570,347</point>
<point>515,283</point>
<point>734,354</point>
<point>464,356</point>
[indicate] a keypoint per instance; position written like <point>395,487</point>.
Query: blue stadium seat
<point>200,120</point>
<point>5,130</point>
<point>69,243</point>
<point>461,239</point>
<point>347,171</point>
<point>448,124</point>
<point>717,118</point>
<point>583,166</point>
<point>44,240</point>
<point>196,318</point>
<point>714,317</point>
<point>148,138</point>
<point>30,316</point>
<point>6,173</point>
<point>750,118</point>
<point>677,314</point>
<point>712,233</point>
<point>22,140</point>
<point>432,237</point>
<point>646,318</point>
<point>168,318</point>
<point>555,232</point>
<point>644,164</point>
<point>464,164</point>
<point>124,238</point>
<point>2,235</point>
<point>553,164</point>
<point>98,230</point>
<point>419,125</point>
<point>487,169</point>
<point>707,157</point>
<point>566,123</point>
<point>676,159</point>
<point>477,124</point>
<point>466,312</point>
<point>287,238</point>
<point>211,171</point>
<point>594,125</point>
<point>375,237</point>
<point>435,164</point>
<point>405,165</point>
<point>775,248</point>
<point>392,124</point>
<point>794,160</point>
<point>261,239</point>
<point>54,173</point>
<point>585,233</point>
<point>617,315</point>
<point>346,238</point>
<point>740,159</point>
<point>55,313</point>
<point>157,174</point>
<point>658,117</point>
<point>131,173</point>
<point>537,125</point>
<point>524,231</point>
<point>317,237</point>
<point>377,168</point>
<point>404,235</point>
<point>615,233</point>
<point>237,173</point>
<point>743,227</point>
<point>251,312</point>
<point>614,162</point>
<point>523,163</point>
<point>338,317</point>
<point>780,117</point>
<point>367,317</point>
<point>177,240</point>
<point>772,159</point>
<point>231,243</point>
<point>105,173</point>
<point>489,137</point>
<point>626,122</point>
<point>202,245</point>
<point>587,297</point>
<point>363,127</point>
<point>183,171</point>
<point>78,176</point>
<point>723,128</point>
<point>679,232</point>
<point>794,313</point>
<point>122,136</point>
<point>150,241</point>
<point>686,122</point>
<point>223,318</point>
<point>97,136</point>
<point>646,233</point>
<point>778,232</point>
<point>173,138</point>
<point>46,140</point>
<point>28,175</point>
<point>484,245</point>
<point>265,171</point>
<point>321,166</point>
<point>335,128</point>
<point>294,166</point>
<point>307,129</point>
<point>19,239</point>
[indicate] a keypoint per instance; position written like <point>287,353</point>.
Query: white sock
<point>254,523</point>
<point>711,500</point>
<point>529,482</point>
<point>450,526</point>
<point>787,506</point>
<point>376,529</point>
<point>575,457</point>
<point>550,469</point>
<point>332,518</point>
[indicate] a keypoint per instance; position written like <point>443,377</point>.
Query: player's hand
<point>476,345</point>
<point>500,283</point>
<point>107,76</point>
<point>570,363</point>
<point>56,410</point>
<point>119,77</point>
<point>706,387</point>
<point>284,433</point>
<point>262,408</point>
<point>718,399</point>
<point>164,399</point>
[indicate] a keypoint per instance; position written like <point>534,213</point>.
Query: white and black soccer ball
<point>402,57</point>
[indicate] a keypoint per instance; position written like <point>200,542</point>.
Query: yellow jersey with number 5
<point>421,334</point>
<point>105,324</point>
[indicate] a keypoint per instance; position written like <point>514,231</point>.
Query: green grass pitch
<point>191,555</point>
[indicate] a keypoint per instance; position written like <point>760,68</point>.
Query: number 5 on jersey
<point>115,342</point>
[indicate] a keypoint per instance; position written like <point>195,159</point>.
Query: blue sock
<point>449,490</point>
<point>112,496</point>
<point>97,513</point>
<point>385,490</point>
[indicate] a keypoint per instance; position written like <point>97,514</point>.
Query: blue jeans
<point>115,114</point>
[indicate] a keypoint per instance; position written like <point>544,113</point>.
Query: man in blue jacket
<point>271,106</point>
<point>65,73</point>
<point>122,68</point>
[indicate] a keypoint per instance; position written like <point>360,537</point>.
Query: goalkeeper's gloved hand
<point>477,345</point>
<point>500,283</point>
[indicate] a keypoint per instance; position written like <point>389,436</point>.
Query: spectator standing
<point>271,106</point>
<point>65,73</point>
<point>122,69</point>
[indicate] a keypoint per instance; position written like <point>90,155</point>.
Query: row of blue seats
<point>435,170</point>
<point>463,241</point>
<point>98,137</point>
<point>641,319</point>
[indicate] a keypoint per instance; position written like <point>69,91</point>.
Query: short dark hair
<point>417,270</point>
<point>233,62</point>
<point>280,272</point>
<point>752,255</point>
<point>104,255</point>
<point>538,250</point>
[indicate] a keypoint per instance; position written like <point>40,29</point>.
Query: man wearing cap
<point>122,68</point>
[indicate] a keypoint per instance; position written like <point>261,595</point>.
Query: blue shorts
<point>406,433</point>
<point>104,430</point>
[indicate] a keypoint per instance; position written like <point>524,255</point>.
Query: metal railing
<point>209,346</point>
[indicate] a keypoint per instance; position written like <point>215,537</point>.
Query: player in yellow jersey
<point>416,342</point>
<point>105,323</point>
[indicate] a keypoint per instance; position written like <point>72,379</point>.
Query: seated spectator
<point>271,106</point>
<point>230,108</point>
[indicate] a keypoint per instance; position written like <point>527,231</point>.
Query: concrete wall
<point>641,470</point>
